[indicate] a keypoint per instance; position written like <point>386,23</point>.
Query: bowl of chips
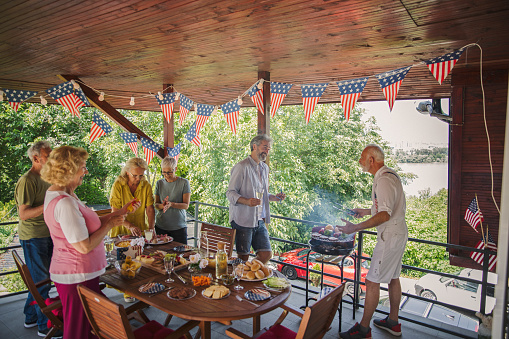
<point>128,268</point>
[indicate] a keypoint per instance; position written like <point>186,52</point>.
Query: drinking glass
<point>169,264</point>
<point>204,243</point>
<point>149,234</point>
<point>238,271</point>
<point>108,246</point>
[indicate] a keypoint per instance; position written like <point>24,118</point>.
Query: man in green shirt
<point>33,233</point>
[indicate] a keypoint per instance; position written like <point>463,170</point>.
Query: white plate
<point>226,296</point>
<point>160,242</point>
<point>257,294</point>
<point>270,275</point>
<point>193,293</point>
<point>151,288</point>
<point>277,288</point>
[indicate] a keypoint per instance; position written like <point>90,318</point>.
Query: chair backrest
<point>216,233</point>
<point>318,317</point>
<point>108,319</point>
<point>31,286</point>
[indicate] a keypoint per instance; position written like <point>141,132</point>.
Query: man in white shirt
<point>388,216</point>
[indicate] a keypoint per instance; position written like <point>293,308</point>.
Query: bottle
<point>221,260</point>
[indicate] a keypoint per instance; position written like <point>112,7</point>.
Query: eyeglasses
<point>136,176</point>
<point>168,172</point>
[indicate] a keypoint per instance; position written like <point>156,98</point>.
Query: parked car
<point>457,292</point>
<point>332,266</point>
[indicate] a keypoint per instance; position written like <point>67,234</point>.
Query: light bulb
<point>75,84</point>
<point>260,84</point>
<point>101,96</point>
<point>239,101</point>
<point>160,95</point>
<point>177,96</point>
<point>1,95</point>
<point>132,101</point>
<point>195,107</point>
<point>43,101</point>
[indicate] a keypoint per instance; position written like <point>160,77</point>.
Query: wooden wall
<point>469,170</point>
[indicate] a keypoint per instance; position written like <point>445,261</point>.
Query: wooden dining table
<point>198,307</point>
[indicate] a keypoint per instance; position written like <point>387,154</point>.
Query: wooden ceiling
<point>212,50</point>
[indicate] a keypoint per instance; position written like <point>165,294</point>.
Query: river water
<point>430,175</point>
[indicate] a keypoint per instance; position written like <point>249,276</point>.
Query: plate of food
<point>216,292</point>
<point>151,288</point>
<point>161,239</point>
<point>255,270</point>
<point>276,283</point>
<point>257,294</point>
<point>181,293</point>
<point>183,248</point>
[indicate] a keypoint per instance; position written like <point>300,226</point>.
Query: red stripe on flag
<point>309,106</point>
<point>232,119</point>
<point>134,147</point>
<point>258,101</point>
<point>96,132</point>
<point>348,102</point>
<point>391,92</point>
<point>14,105</point>
<point>167,111</point>
<point>440,70</point>
<point>182,114</point>
<point>275,101</point>
<point>200,122</point>
<point>149,155</point>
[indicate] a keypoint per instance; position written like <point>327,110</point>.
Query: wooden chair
<point>216,233</point>
<point>316,320</point>
<point>109,320</point>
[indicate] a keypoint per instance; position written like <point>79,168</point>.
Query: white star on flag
<point>15,97</point>
<point>131,139</point>
<point>174,152</point>
<point>167,104</point>
<point>203,113</point>
<point>390,82</point>
<point>256,95</point>
<point>231,113</point>
<point>150,148</point>
<point>441,66</point>
<point>185,106</point>
<point>192,136</point>
<point>99,127</point>
<point>311,93</point>
<point>67,96</point>
<point>350,91</point>
<point>278,92</point>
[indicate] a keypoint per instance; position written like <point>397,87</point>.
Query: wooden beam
<point>264,119</point>
<point>108,110</point>
<point>169,128</point>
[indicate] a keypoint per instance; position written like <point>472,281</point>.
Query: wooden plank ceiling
<point>212,50</point>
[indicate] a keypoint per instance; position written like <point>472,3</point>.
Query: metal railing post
<point>196,213</point>
<point>484,285</point>
<point>358,263</point>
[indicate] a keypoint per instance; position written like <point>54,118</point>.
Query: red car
<point>298,257</point>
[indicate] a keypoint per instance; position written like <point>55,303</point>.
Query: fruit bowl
<point>128,268</point>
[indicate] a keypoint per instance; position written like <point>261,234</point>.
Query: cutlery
<point>239,298</point>
<point>161,291</point>
<point>180,278</point>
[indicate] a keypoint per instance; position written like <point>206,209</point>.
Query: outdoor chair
<point>109,320</point>
<point>316,320</point>
<point>56,322</point>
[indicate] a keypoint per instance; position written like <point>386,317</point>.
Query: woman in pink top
<point>77,233</point>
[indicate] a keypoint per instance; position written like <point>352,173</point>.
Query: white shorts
<point>387,255</point>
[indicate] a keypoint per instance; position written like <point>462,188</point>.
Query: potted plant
<point>315,278</point>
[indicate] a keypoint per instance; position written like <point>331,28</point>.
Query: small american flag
<point>390,82</point>
<point>192,136</point>
<point>311,93</point>
<point>174,152</point>
<point>256,95</point>
<point>490,245</point>
<point>203,113</point>
<point>131,139</point>
<point>150,148</point>
<point>167,104</point>
<point>15,97</point>
<point>67,96</point>
<point>231,113</point>
<point>185,105</point>
<point>278,92</point>
<point>350,91</point>
<point>473,214</point>
<point>99,127</point>
<point>441,66</point>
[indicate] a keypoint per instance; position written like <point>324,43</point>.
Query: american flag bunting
<point>473,214</point>
<point>192,136</point>
<point>174,152</point>
<point>203,113</point>
<point>350,91</point>
<point>441,66</point>
<point>278,92</point>
<point>311,93</point>
<point>167,104</point>
<point>185,106</point>
<point>478,257</point>
<point>99,127</point>
<point>15,97</point>
<point>131,139</point>
<point>390,82</point>
<point>256,94</point>
<point>150,148</point>
<point>67,96</point>
<point>231,113</point>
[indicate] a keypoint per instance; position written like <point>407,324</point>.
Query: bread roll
<point>256,261</point>
<point>255,267</point>
<point>248,263</point>
<point>251,275</point>
<point>259,274</point>
<point>266,270</point>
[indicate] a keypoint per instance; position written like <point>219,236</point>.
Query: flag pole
<point>480,220</point>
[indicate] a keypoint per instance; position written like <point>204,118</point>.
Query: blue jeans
<point>37,252</point>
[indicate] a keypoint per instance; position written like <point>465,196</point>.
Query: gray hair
<point>258,140</point>
<point>169,162</point>
<point>36,148</point>
<point>376,152</point>
<point>130,164</point>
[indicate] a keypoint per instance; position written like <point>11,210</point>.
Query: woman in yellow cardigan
<point>130,184</point>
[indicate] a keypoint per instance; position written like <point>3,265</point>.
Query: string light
<point>1,95</point>
<point>132,101</point>
<point>160,95</point>
<point>239,101</point>
<point>195,107</point>
<point>260,84</point>
<point>44,102</point>
<point>101,96</point>
<point>177,96</point>
<point>75,84</point>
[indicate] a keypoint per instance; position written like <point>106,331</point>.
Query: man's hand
<point>348,228</point>
<point>360,212</point>
<point>281,196</point>
<point>252,202</point>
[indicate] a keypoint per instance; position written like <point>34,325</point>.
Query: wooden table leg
<point>256,324</point>
<point>205,330</point>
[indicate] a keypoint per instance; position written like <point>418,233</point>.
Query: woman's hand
<point>134,230</point>
<point>131,206</point>
<point>166,204</point>
<point>116,220</point>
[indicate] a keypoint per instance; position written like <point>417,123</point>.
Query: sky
<point>405,127</point>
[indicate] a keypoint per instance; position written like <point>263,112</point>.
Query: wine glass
<point>108,246</point>
<point>259,195</point>
<point>238,271</point>
<point>149,234</point>
<point>169,264</point>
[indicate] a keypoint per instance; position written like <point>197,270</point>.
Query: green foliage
<point>12,282</point>
<point>434,154</point>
